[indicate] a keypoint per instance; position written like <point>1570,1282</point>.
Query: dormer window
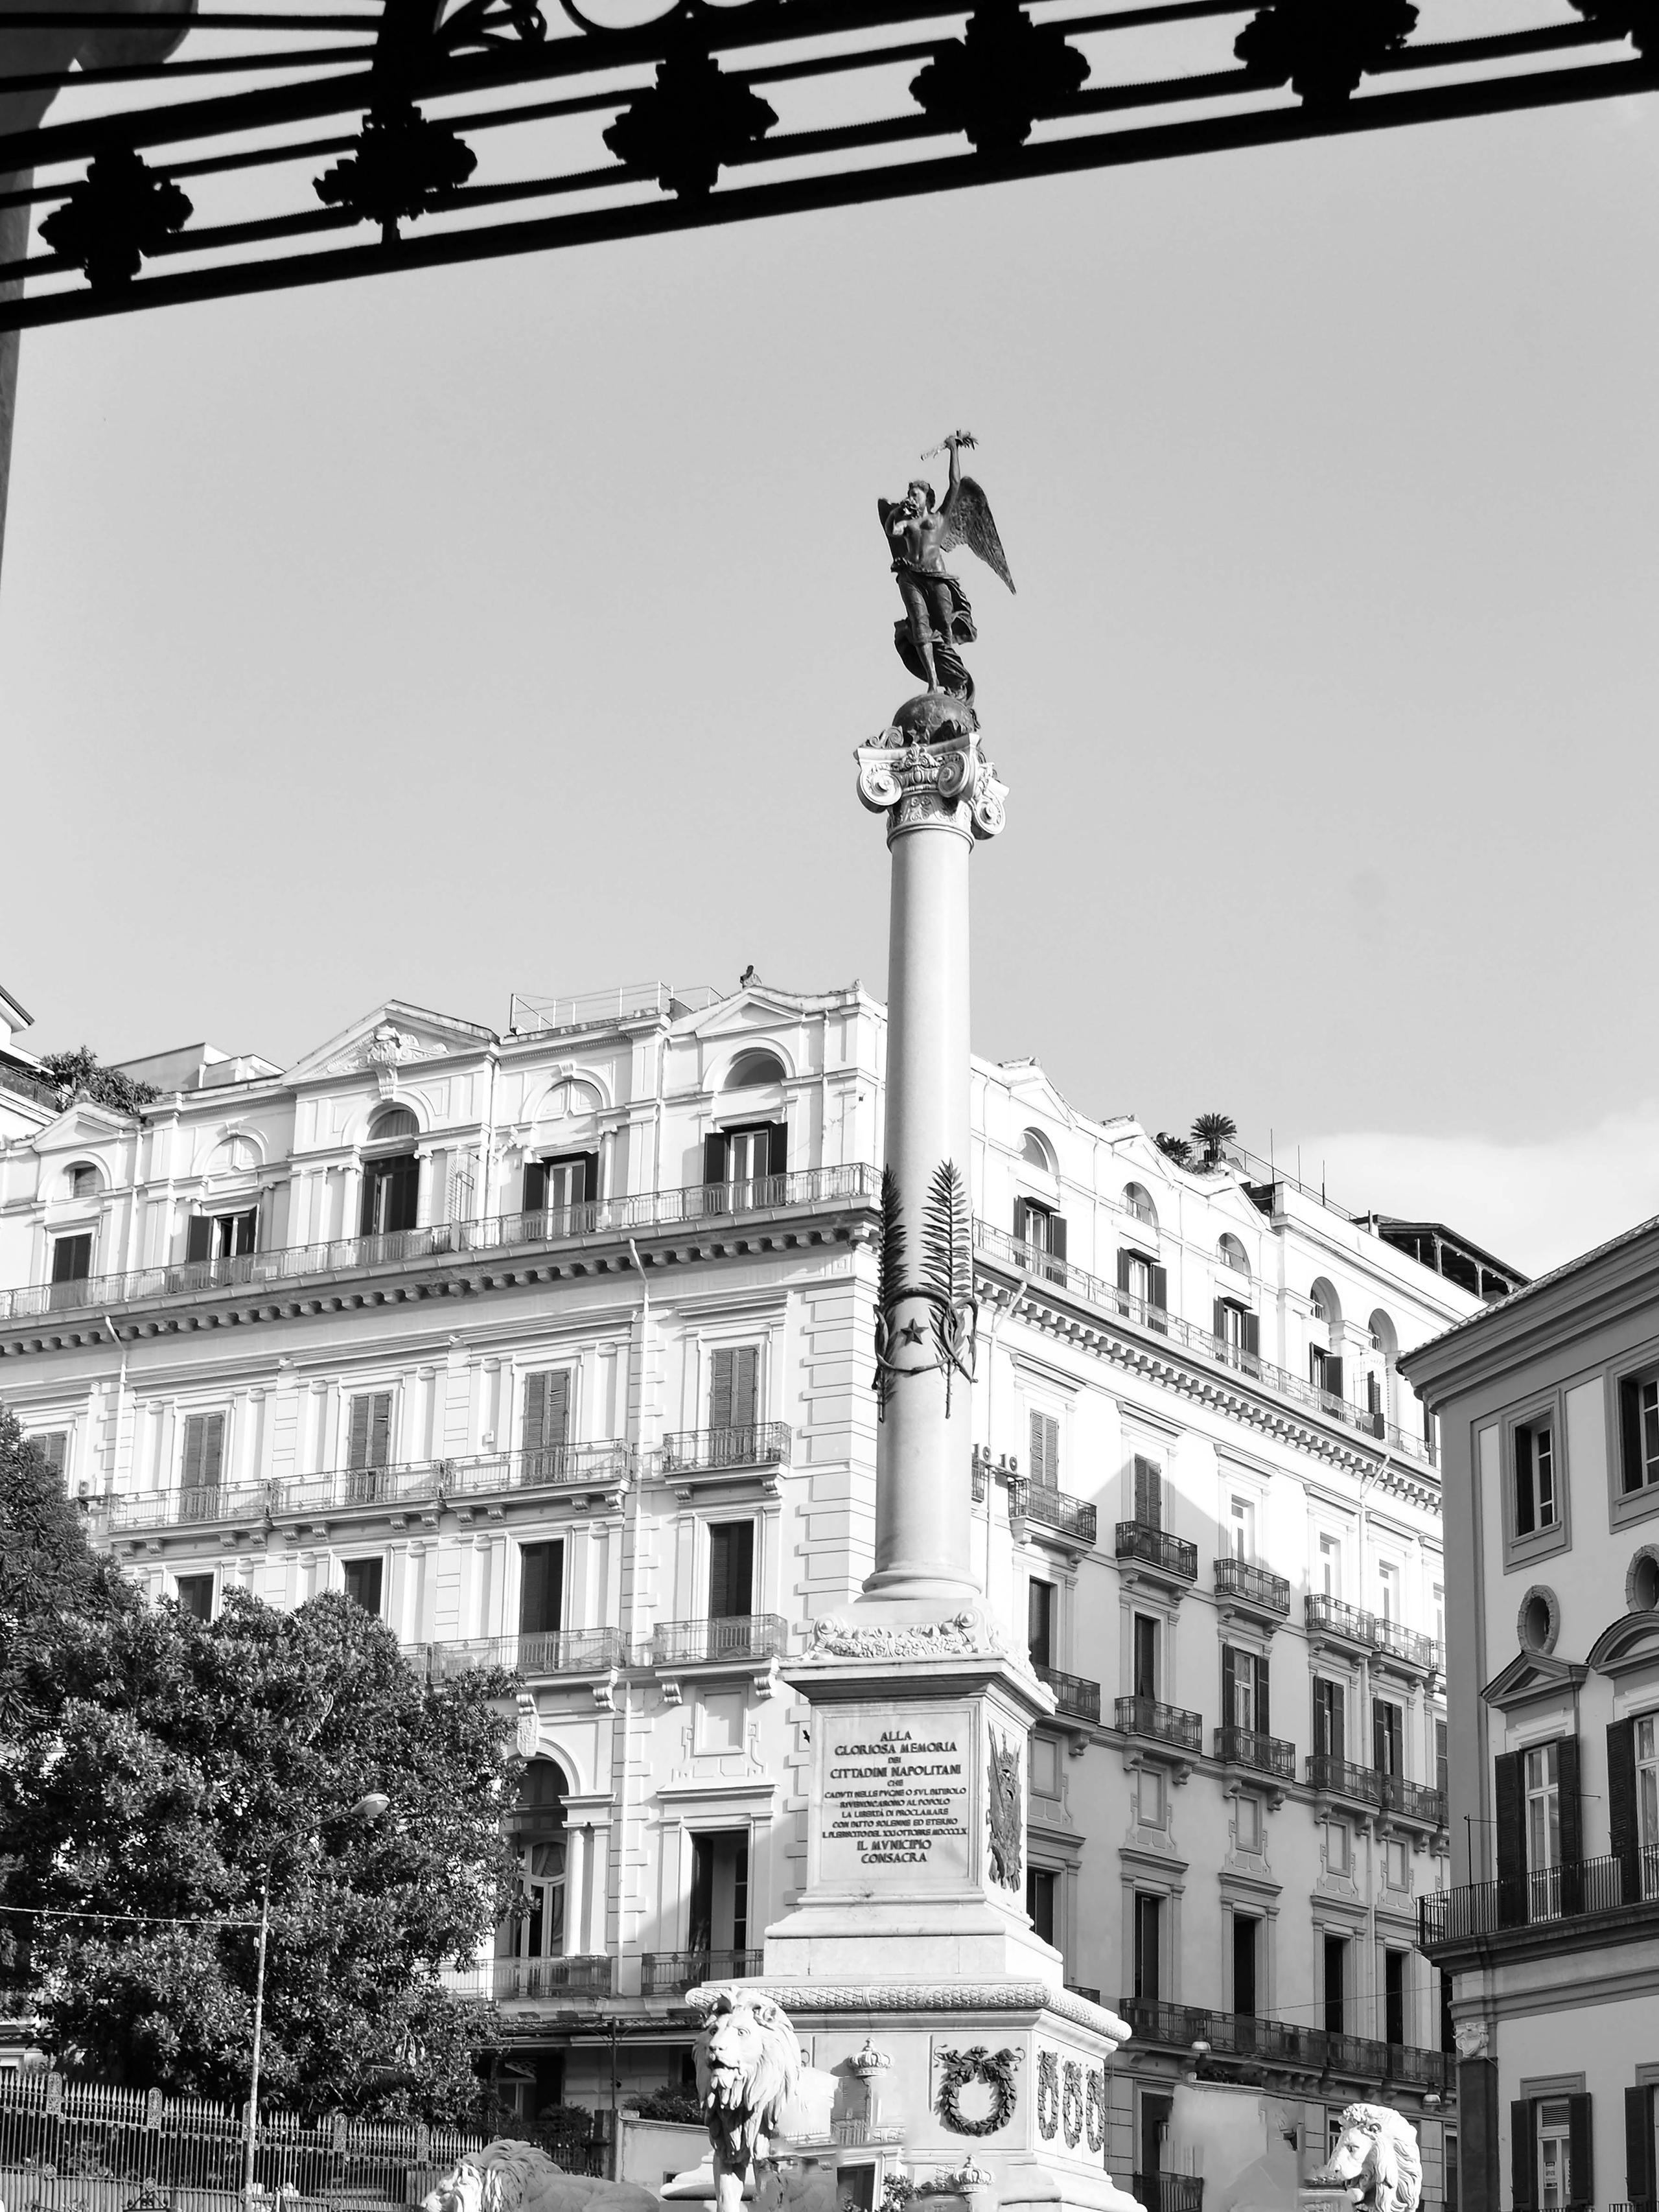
<point>84,1181</point>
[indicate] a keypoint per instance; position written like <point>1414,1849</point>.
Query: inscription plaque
<point>895,1796</point>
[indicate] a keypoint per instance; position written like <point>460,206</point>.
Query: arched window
<point>395,1122</point>
<point>391,1181</point>
<point>537,1824</point>
<point>1325,1347</point>
<point>1036,1152</point>
<point>236,1155</point>
<point>1379,1379</point>
<point>1137,1200</point>
<point>83,1179</point>
<point>1231,1254</point>
<point>753,1071</point>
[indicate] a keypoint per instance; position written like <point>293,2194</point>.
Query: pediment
<point>1630,1642</point>
<point>82,1123</point>
<point>755,1006</point>
<point>1530,1677</point>
<point>393,1036</point>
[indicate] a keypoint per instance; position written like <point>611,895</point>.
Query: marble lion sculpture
<point>749,2069</point>
<point>520,2177</point>
<point>1376,2155</point>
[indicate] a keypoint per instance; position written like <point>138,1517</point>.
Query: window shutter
<point>1123,1271</point>
<point>714,1155</point>
<point>71,1259</point>
<point>1218,1327</point>
<point>198,1237</point>
<point>1509,1826</point>
<point>719,1388</point>
<point>1581,2152</point>
<point>541,1588</point>
<point>1263,1717</point>
<point>535,1414</point>
<point>1057,1236</point>
<point>590,1178</point>
<point>1229,1687</point>
<point>1338,1721</point>
<point>1641,2183</point>
<point>745,1386</point>
<point>1034,1426</point>
<point>1630,1429</point>
<point>357,1442</point>
<point>1149,1494</point>
<point>1022,1222</point>
<point>366,1212</point>
<point>777,1148</point>
<point>1622,1830</point>
<point>194,1425</point>
<point>535,1186</point>
<point>247,1232</point>
<point>1333,1376</point>
<point>1253,1334</point>
<point>555,1410</point>
<point>1524,1512</point>
<point>1572,1843</point>
<point>1523,2165</point>
<point>1160,1297</point>
<point>380,1429</point>
<point>730,1570</point>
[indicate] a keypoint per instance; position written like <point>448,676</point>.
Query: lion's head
<point>1377,2150</point>
<point>509,2176</point>
<point>748,2066</point>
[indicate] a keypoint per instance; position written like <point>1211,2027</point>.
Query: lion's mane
<point>748,2067</point>
<point>510,2176</point>
<point>1377,2147</point>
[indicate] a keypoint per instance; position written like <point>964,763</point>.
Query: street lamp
<point>368,1807</point>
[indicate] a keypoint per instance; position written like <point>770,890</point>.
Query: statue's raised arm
<point>937,619</point>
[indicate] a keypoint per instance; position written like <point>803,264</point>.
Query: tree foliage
<point>193,1761</point>
<point>82,1074</point>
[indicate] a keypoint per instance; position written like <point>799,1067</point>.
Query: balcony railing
<point>1580,1890</point>
<point>1398,1643</point>
<point>666,1973</point>
<point>508,1981</point>
<point>293,1263</point>
<point>1079,1990</point>
<point>1337,1619</point>
<point>1052,1509</point>
<point>1414,1799</point>
<point>1242,2036</point>
<point>199,1507</point>
<point>34,1088</point>
<point>1252,1585</point>
<point>998,1244</point>
<point>1155,1547</point>
<point>1264,1754</point>
<point>533,1656</point>
<point>1075,1696</point>
<point>1170,2192</point>
<point>757,1443</point>
<point>1162,1723</point>
<point>737,1638</point>
<point>1355,1626</point>
<point>1373,1785</point>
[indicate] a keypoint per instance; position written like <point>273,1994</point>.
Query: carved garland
<point>995,2068</point>
<point>1094,2110</point>
<point>1070,2101</point>
<point>1048,2095</point>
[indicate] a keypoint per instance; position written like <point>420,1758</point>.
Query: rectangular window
<point>369,1442</point>
<point>1442,1763</point>
<point>744,1161</point>
<point>1393,1995</point>
<point>1387,1724</point>
<point>1541,1778</point>
<point>730,1570</point>
<point>1040,1622</point>
<point>52,1444</point>
<point>1387,1590</point>
<point>1146,1284</point>
<point>1638,1411</point>
<point>195,1595</point>
<point>1041,1883</point>
<point>1336,1985</point>
<point>1647,1802</point>
<point>1242,1529</point>
<point>392,1195</point>
<point>541,1588</point>
<point>733,1386</point>
<point>362,1584</point>
<point>1045,1450</point>
<point>1145,1656</point>
<point>221,1236</point>
<point>1244,1690</point>
<point>719,1892</point>
<point>1149,1945</point>
<point>72,1263</point>
<point>554,1186</point>
<point>1536,1501</point>
<point>1440,1614</point>
<point>1330,1566</point>
<point>1247,1933</point>
<point>1330,1719</point>
<point>1149,1493</point>
<point>545,1430</point>
<point>1554,2154</point>
<point>204,1453</point>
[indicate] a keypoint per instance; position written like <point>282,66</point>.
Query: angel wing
<point>967,521</point>
<point>887,508</point>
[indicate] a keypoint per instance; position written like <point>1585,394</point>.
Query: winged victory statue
<point>937,619</point>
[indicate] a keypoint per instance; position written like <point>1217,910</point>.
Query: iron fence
<point>753,1443</point>
<point>740,1637</point>
<point>68,2146</point>
<point>666,1973</point>
<point>1155,1547</point>
<point>1255,1585</point>
<point>1072,1694</point>
<point>1162,1723</point>
<point>1264,1754</point>
<point>1249,2039</point>
<point>558,1651</point>
<point>508,1981</point>
<point>1052,1509</point>
<point>1579,1890</point>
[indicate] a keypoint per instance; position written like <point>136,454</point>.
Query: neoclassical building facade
<point>555,1345</point>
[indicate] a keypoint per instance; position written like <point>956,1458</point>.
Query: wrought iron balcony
<point>219,1506</point>
<point>448,1240</point>
<point>1263,1755</point>
<point>1420,1652</point>
<point>1170,2192</point>
<point>1244,2037</point>
<point>536,1656</point>
<point>1029,1260</point>
<point>508,1981</point>
<point>1161,1723</point>
<point>1334,1617</point>
<point>757,1443</point>
<point>1052,1509</point>
<point>1074,1696</point>
<point>666,1973</point>
<point>1256,1586</point>
<point>738,1640</point>
<point>1582,1889</point>
<point>1413,1801</point>
<point>1171,1556</point>
<point>1078,1989</point>
<point>1341,1778</point>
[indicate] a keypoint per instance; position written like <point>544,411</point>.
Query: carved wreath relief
<point>946,1287</point>
<point>1004,1811</point>
<point>979,2063</point>
<point>1070,2101</point>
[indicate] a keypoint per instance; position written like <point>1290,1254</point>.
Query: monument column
<point>940,797</point>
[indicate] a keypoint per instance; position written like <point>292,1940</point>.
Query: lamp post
<point>368,1808</point>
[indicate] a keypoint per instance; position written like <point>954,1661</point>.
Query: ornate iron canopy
<point>345,137</point>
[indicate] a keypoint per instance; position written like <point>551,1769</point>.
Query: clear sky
<point>511,628</point>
